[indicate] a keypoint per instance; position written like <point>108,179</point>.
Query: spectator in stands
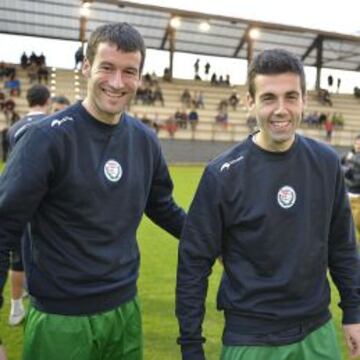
<point>167,75</point>
<point>171,126</point>
<point>223,105</point>
<point>59,103</point>
<point>2,71</point>
<point>141,94</point>
<point>24,60</point>
<point>222,119</point>
<point>32,72</point>
<point>149,79</point>
<point>9,71</point>
<point>207,69</point>
<point>324,97</point>
<point>357,92</point>
<point>330,80</point>
<point>181,118</point>
<point>43,74</point>
<point>214,80</point>
<point>157,123</point>
<point>85,179</point>
<point>329,128</point>
<point>322,119</point>
<point>312,119</point>
<point>234,100</point>
<point>338,85</point>
<point>148,95</point>
<point>196,67</point>
<point>13,86</point>
<point>38,98</point>
<point>10,112</point>
<point>351,167</point>
<point>33,59</point>
<point>41,61</point>
<point>227,80</point>
<point>338,120</point>
<point>193,119</point>
<point>158,95</point>
<point>199,101</point>
<point>186,98</point>
<point>275,208</point>
<point>79,57</point>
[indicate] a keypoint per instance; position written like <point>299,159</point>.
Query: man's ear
<point>86,68</point>
<point>250,102</point>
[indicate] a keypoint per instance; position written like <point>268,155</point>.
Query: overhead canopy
<point>227,37</point>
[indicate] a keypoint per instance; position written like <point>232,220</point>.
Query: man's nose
<point>280,107</point>
<point>116,80</point>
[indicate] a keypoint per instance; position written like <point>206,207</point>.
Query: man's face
<point>278,106</point>
<point>113,79</point>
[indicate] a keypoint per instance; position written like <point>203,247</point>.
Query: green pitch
<point>156,288</point>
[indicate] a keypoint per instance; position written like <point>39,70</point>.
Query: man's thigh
<point>321,344</point>
<point>113,335</point>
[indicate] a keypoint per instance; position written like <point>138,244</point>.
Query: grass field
<point>156,288</point>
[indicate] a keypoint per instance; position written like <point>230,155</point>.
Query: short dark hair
<point>37,95</point>
<point>123,35</point>
<point>60,99</point>
<point>275,61</point>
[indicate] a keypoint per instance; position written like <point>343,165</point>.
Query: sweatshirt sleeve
<point>23,184</point>
<point>344,262</point>
<point>161,207</point>
<point>200,245</point>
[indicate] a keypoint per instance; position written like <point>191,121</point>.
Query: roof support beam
<point>243,40</point>
<point>310,48</point>
<point>319,60</point>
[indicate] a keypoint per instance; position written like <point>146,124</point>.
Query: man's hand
<point>352,337</point>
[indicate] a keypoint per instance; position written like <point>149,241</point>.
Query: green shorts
<point>112,335</point>
<point>321,344</point>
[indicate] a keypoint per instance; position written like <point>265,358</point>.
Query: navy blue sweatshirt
<point>84,186</point>
<point>279,221</point>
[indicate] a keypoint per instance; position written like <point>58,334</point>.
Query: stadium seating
<point>72,85</point>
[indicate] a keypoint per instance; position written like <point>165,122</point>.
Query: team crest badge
<point>113,170</point>
<point>286,197</point>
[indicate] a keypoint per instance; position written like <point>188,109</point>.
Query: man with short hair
<point>59,103</point>
<point>84,177</point>
<point>38,98</point>
<point>275,208</point>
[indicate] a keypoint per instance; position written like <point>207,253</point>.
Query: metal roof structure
<point>227,37</point>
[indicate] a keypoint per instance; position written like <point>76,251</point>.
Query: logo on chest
<point>113,170</point>
<point>286,197</point>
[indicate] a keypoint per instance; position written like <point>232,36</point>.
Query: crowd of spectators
<point>35,66</point>
<point>150,91</point>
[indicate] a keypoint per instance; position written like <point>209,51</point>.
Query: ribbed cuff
<point>351,315</point>
<point>192,352</point>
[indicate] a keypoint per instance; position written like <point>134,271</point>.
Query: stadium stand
<point>71,84</point>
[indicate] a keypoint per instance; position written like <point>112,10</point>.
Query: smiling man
<point>275,209</point>
<point>83,178</point>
